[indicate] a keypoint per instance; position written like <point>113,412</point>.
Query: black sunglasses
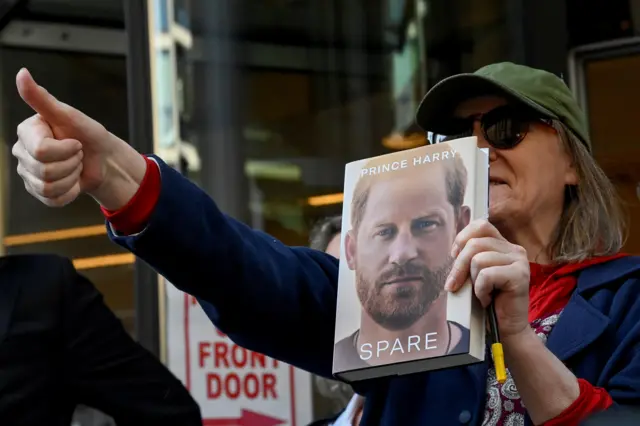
<point>503,127</point>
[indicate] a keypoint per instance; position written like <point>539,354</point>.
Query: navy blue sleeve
<point>267,297</point>
<point>612,310</point>
<point>620,376</point>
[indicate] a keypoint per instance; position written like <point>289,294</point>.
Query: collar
<point>606,270</point>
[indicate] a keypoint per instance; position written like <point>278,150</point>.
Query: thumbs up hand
<point>62,153</point>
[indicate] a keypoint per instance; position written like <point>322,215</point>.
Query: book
<point>401,214</point>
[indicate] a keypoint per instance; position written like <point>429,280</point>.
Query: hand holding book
<point>499,272</point>
<point>496,267</point>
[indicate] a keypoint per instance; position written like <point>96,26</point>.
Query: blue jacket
<point>281,301</point>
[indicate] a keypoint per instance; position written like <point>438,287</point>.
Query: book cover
<point>401,214</point>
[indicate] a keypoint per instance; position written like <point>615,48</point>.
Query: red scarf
<point>551,286</point>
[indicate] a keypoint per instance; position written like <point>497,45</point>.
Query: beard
<point>398,308</point>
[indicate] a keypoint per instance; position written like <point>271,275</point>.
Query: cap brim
<point>439,104</point>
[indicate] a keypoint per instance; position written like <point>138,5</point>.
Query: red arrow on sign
<point>247,418</point>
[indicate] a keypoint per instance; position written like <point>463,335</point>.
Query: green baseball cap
<point>538,89</point>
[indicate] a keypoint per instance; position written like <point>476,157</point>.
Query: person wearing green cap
<point>549,255</point>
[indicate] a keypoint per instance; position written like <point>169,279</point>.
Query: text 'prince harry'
<point>371,170</point>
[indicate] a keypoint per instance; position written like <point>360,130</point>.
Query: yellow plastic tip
<point>498,361</point>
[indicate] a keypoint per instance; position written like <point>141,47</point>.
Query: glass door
<point>606,79</point>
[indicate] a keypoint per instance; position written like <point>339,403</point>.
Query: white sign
<point>232,385</point>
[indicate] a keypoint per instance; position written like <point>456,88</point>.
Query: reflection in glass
<point>182,12</point>
<point>287,92</point>
<point>162,16</point>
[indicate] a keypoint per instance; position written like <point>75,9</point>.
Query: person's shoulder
<point>345,346</point>
<point>34,268</point>
<point>40,281</point>
<point>345,354</point>
<point>28,261</point>
<point>32,258</point>
<point>614,283</point>
<point>463,343</point>
<point>622,269</point>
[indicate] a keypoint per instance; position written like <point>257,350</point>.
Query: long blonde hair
<point>592,221</point>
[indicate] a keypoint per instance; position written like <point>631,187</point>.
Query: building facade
<point>261,103</point>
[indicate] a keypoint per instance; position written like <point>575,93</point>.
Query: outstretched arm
<point>266,296</point>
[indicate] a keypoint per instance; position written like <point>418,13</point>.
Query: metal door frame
<point>578,56</point>
<point>141,137</point>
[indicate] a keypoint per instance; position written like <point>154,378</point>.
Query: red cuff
<point>591,400</point>
<point>134,216</point>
